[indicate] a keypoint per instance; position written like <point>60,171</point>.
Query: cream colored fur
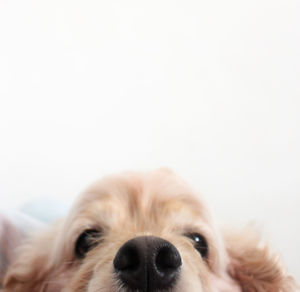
<point>157,203</point>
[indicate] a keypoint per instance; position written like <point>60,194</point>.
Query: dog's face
<point>134,232</point>
<point>145,233</point>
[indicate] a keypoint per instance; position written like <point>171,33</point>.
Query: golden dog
<point>144,232</point>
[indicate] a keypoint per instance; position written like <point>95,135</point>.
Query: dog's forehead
<point>154,196</point>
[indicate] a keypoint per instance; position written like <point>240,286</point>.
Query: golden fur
<point>158,203</point>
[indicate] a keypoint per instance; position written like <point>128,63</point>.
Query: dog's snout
<point>148,263</point>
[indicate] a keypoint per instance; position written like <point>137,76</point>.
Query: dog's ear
<point>33,264</point>
<point>10,238</point>
<point>14,228</point>
<point>254,266</point>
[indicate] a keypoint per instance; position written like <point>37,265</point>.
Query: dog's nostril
<point>168,258</point>
<point>147,263</point>
<point>127,259</point>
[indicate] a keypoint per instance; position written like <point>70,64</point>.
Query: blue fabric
<point>46,210</point>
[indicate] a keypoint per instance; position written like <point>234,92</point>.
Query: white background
<point>208,88</point>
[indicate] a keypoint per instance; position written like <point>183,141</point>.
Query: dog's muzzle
<point>147,263</point>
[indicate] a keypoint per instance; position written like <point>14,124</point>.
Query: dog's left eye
<point>86,241</point>
<point>200,243</point>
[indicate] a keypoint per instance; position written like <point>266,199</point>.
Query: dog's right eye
<point>200,243</point>
<point>86,241</point>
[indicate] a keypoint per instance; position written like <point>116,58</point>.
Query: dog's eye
<point>200,243</point>
<point>86,241</point>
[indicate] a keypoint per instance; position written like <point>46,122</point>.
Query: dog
<point>144,232</point>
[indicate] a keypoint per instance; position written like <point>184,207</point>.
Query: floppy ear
<point>10,238</point>
<point>14,228</point>
<point>254,266</point>
<point>33,265</point>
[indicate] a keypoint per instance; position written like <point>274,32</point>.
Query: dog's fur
<point>158,203</point>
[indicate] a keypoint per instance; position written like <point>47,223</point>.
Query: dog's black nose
<point>148,263</point>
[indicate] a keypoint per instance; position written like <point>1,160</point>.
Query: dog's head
<point>143,232</point>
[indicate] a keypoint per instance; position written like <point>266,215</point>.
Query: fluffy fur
<point>158,203</point>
